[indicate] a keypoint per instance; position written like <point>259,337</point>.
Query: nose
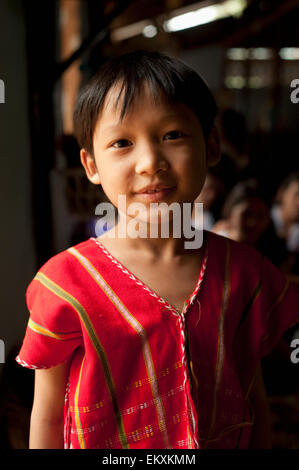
<point>150,160</point>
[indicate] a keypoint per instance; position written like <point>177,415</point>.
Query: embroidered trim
<point>127,315</point>
<point>67,422</point>
<point>39,366</point>
<point>173,310</point>
<point>30,366</point>
<point>80,436</point>
<point>150,291</point>
<point>132,409</point>
<point>199,282</point>
<point>135,279</point>
<point>147,380</point>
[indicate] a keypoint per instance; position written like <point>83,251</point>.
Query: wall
<point>16,241</point>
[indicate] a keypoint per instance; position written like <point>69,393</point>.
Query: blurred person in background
<point>234,164</point>
<point>211,196</point>
<point>285,217</point>
<point>246,218</point>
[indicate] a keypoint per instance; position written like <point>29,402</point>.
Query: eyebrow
<point>164,119</point>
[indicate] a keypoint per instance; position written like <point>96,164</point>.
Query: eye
<point>173,135</point>
<point>121,143</point>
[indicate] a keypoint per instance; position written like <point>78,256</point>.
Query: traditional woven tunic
<point>143,375</point>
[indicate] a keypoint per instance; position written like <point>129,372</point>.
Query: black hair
<point>177,81</point>
<point>243,191</point>
<point>289,179</point>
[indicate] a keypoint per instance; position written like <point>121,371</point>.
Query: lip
<point>161,191</point>
<point>155,187</point>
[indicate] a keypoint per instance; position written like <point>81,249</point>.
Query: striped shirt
<point>140,373</point>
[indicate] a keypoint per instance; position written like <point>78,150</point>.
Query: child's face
<point>156,143</point>
<point>250,219</point>
<point>290,202</point>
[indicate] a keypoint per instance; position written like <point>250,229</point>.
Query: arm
<point>46,425</point>
<point>261,433</point>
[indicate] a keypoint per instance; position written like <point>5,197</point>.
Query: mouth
<point>153,188</point>
<point>155,192</point>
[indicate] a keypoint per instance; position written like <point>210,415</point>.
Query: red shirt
<point>143,375</point>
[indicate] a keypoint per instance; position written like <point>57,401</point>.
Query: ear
<point>213,147</point>
<point>89,165</point>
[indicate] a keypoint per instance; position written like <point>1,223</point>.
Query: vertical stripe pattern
<point>77,414</point>
<point>96,343</point>
<point>141,333</point>
<point>220,348</point>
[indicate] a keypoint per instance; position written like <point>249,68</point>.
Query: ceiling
<point>264,23</point>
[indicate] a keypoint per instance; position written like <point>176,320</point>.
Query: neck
<point>158,240</point>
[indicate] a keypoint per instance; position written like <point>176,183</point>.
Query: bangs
<point>133,75</point>
<point>132,72</point>
<point>129,93</point>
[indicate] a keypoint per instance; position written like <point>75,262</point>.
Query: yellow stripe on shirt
<point>45,332</point>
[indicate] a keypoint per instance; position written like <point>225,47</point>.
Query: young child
<point>246,218</point>
<point>285,214</point>
<point>141,342</point>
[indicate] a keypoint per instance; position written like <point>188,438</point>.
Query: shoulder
<point>238,252</point>
<point>247,268</point>
<point>242,264</point>
<point>63,268</point>
<point>65,260</point>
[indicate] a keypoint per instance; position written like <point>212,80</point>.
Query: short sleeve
<point>53,331</point>
<point>273,308</point>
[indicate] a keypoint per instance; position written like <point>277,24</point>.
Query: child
<point>285,214</point>
<point>285,217</point>
<point>142,342</point>
<point>246,218</point>
<point>211,197</point>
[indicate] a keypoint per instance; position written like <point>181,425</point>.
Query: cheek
<point>192,152</point>
<point>110,185</point>
<point>112,174</point>
<point>293,205</point>
<point>236,218</point>
<point>288,202</point>
<point>197,168</point>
